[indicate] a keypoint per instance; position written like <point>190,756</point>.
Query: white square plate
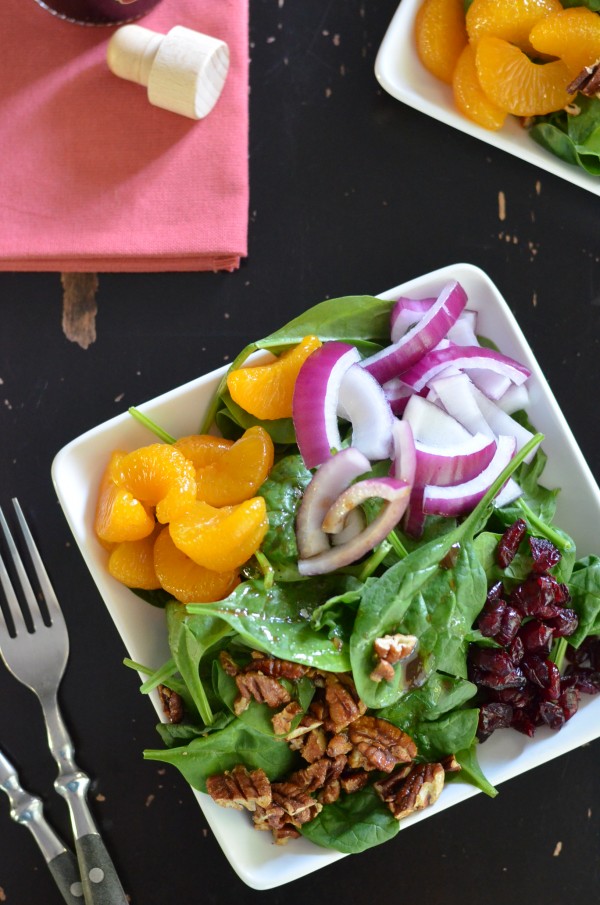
<point>76,473</point>
<point>399,70</point>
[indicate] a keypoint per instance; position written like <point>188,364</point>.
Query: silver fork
<point>38,658</point>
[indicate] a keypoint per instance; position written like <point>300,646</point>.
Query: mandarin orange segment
<point>516,84</point>
<point>511,20</point>
<point>469,96</point>
<point>237,474</point>
<point>202,449</point>
<point>573,35</point>
<point>119,516</point>
<point>132,563</point>
<point>184,579</point>
<point>266,391</point>
<point>221,539</point>
<point>440,36</point>
<point>159,475</point>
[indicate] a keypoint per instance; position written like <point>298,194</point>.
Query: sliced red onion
<point>354,524</point>
<point>396,493</point>
<point>364,404</point>
<point>315,400</point>
<point>404,459</point>
<point>397,394</point>
<point>406,313</point>
<point>515,399</point>
<point>462,498</point>
<point>453,464</point>
<point>432,425</point>
<point>414,517</point>
<point>509,493</point>
<point>463,357</point>
<point>493,385</point>
<point>330,479</point>
<point>456,395</point>
<point>427,333</point>
<point>462,333</point>
<point>502,423</point>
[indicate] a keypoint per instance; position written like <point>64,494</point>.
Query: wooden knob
<point>184,70</point>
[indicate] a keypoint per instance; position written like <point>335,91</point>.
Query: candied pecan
<point>296,736</point>
<point>383,672</point>
<point>300,807</point>
<point>390,649</point>
<point>588,81</point>
<point>419,789</point>
<point>273,666</point>
<point>315,745</point>
<point>451,765</point>
<point>228,663</point>
<point>338,744</point>
<point>239,788</point>
<point>282,721</point>
<point>171,703</point>
<point>395,647</point>
<point>283,834</point>
<point>343,702</point>
<point>381,743</point>
<point>354,782</point>
<point>264,689</point>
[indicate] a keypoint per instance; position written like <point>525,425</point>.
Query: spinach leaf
<point>439,695</point>
<point>471,771</point>
<point>538,498</point>
<point>573,138</point>
<point>232,420</point>
<point>353,823</point>
<point>594,5</point>
<point>278,619</point>
<point>283,491</point>
<point>440,738</point>
<point>584,587</point>
<point>189,639</point>
<point>220,751</point>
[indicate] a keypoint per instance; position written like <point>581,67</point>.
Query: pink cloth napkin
<point>92,176</point>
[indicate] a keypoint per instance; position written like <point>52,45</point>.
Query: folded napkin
<point>93,177</point>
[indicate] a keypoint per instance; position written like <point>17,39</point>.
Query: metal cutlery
<point>27,809</point>
<point>37,656</point>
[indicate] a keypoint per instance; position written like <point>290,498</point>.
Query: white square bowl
<point>76,473</point>
<point>399,70</point>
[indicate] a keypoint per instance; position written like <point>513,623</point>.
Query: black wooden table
<point>351,192</point>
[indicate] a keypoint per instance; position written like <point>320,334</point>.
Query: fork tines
<point>24,611</point>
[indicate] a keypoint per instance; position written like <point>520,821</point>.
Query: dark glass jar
<point>98,12</point>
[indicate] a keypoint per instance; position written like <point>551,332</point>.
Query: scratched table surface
<point>351,192</point>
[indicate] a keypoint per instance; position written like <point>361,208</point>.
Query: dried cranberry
<point>509,543</point>
<point>536,596</point>
<point>545,555</point>
<point>565,623</point>
<point>536,637</point>
<point>518,697</point>
<point>543,673</point>
<point>491,717</point>
<point>569,701</point>
<point>525,721</point>
<point>516,650</point>
<point>495,592</point>
<point>492,660</point>
<point>582,678</point>
<point>490,619</point>
<point>576,655</point>
<point>510,624</point>
<point>552,714</point>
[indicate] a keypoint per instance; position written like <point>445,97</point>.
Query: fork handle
<point>101,885</point>
<point>99,880</point>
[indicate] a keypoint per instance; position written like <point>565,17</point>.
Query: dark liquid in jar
<point>98,12</point>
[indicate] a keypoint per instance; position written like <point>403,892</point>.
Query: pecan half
<point>382,744</point>
<point>282,721</point>
<point>588,81</point>
<point>264,689</point>
<point>171,703</point>
<point>342,701</point>
<point>390,649</point>
<point>239,788</point>
<point>404,793</point>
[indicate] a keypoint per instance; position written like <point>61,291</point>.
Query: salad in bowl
<point>362,596</point>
